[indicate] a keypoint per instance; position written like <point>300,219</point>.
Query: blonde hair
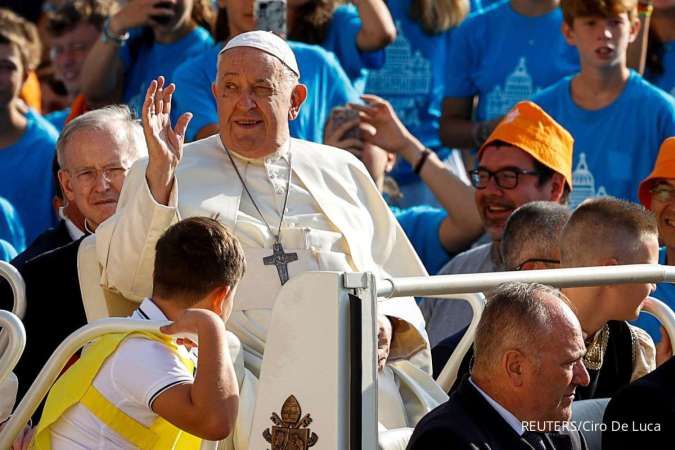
<point>437,16</point>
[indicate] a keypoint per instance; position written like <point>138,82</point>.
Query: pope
<point>294,205</point>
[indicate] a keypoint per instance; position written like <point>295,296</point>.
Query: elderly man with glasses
<point>527,158</point>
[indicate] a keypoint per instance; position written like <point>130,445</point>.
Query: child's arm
<point>206,408</point>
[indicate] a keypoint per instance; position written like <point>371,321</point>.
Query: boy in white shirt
<point>137,390</point>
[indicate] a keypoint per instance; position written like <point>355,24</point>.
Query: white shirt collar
<point>148,311</point>
<point>512,420</point>
<point>73,231</point>
<point>281,153</point>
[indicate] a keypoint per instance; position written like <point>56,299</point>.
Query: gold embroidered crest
<point>290,431</point>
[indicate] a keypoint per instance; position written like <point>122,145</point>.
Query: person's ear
<point>391,162</point>
<point>568,33</point>
<point>214,90</point>
<point>557,187</point>
<point>298,97</point>
<point>218,298</point>
<point>635,26</point>
<point>66,184</point>
<point>514,364</point>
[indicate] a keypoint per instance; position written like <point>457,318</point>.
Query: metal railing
<point>57,362</point>
<point>16,338</point>
<point>480,282</point>
<point>15,280</point>
<point>441,286</point>
<point>437,286</point>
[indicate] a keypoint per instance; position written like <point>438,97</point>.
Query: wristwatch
<point>108,36</point>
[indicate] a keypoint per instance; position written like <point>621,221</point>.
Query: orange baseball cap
<point>532,130</point>
<point>663,168</point>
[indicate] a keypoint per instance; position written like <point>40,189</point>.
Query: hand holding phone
<point>270,15</point>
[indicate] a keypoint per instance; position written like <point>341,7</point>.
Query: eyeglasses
<point>663,195</point>
<point>553,262</point>
<point>506,178</point>
<point>89,177</point>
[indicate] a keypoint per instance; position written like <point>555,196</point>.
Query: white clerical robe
<point>335,219</point>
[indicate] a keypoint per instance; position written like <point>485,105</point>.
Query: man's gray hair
<point>117,118</point>
<point>533,232</point>
<point>515,317</point>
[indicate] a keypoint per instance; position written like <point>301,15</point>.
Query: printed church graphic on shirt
<point>583,183</point>
<point>518,86</point>
<point>405,80</point>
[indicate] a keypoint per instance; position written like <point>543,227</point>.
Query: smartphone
<point>340,115</point>
<point>169,7</point>
<point>270,15</point>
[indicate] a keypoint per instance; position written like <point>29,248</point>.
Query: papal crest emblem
<point>290,431</point>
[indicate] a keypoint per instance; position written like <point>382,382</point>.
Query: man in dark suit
<point>94,152</point>
<point>642,415</point>
<point>70,228</point>
<point>527,366</point>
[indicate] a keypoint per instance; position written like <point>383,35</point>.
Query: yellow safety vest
<point>76,385</point>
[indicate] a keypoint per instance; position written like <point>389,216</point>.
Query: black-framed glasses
<point>553,262</point>
<point>506,178</point>
<point>663,194</point>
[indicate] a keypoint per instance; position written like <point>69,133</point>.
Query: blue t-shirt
<point>421,224</point>
<point>412,80</point>
<point>155,60</point>
<point>504,57</point>
<point>327,87</point>
<point>58,118</point>
<point>664,292</point>
<point>665,80</point>
<point>7,251</point>
<point>614,147</point>
<point>11,228</point>
<point>26,179</point>
<point>340,39</point>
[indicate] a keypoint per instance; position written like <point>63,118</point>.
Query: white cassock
<point>335,220</point>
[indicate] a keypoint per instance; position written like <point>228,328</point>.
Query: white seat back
<point>98,302</point>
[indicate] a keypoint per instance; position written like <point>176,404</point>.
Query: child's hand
<point>191,321</point>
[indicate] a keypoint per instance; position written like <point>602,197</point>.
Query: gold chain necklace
<point>595,351</point>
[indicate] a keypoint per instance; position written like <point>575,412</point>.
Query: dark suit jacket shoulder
<point>649,400</point>
<point>465,421</point>
<point>53,307</point>
<point>46,241</point>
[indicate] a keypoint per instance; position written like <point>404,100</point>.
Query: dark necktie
<point>538,441</point>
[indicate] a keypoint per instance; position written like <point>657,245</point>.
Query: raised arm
<point>125,243</point>
<point>103,71</point>
<point>463,223</point>
<point>457,130</point>
<point>208,407</point>
<point>378,29</point>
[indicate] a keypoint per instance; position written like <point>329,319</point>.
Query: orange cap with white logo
<point>532,130</point>
<point>663,168</point>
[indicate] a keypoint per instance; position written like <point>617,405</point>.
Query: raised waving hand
<point>165,144</point>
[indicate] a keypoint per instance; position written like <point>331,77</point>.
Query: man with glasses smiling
<point>657,193</point>
<point>528,157</point>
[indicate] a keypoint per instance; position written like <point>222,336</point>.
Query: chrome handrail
<point>57,362</point>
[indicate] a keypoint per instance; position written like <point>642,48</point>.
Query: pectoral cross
<point>280,259</point>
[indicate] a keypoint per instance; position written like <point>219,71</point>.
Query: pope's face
<point>255,102</point>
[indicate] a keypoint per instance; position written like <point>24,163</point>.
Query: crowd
<point>217,151</point>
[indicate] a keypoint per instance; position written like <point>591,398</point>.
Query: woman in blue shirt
<point>413,79</point>
<point>356,34</point>
<point>144,39</point>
